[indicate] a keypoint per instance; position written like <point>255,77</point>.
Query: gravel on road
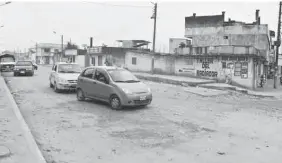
<point>177,127</point>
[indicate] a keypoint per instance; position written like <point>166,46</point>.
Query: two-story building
<point>47,53</point>
<point>228,51</point>
<point>242,51</point>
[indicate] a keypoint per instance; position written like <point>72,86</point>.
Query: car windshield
<point>7,59</point>
<point>69,68</point>
<point>24,63</point>
<point>123,76</point>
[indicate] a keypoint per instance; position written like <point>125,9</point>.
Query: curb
<point>199,84</point>
<point>29,137</point>
<point>170,81</point>
<point>237,90</point>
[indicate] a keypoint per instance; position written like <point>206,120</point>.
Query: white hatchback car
<point>64,76</point>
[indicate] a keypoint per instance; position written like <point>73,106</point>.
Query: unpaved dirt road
<point>177,127</point>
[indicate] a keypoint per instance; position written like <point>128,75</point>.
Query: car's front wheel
<point>56,89</point>
<point>51,85</point>
<point>115,102</point>
<point>80,95</point>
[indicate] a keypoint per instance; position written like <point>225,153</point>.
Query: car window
<point>24,63</point>
<point>69,68</point>
<point>100,76</point>
<point>88,73</point>
<point>121,75</point>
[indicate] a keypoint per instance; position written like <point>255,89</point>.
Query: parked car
<point>64,76</point>
<point>7,62</point>
<point>117,86</point>
<point>23,68</point>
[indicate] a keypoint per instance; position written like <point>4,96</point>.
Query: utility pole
<point>154,35</point>
<point>36,61</point>
<point>278,43</point>
<point>62,38</point>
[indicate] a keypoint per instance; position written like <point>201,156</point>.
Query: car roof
<point>107,67</point>
<point>62,63</point>
<point>24,61</point>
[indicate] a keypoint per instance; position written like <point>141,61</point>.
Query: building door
<point>93,61</point>
<point>100,60</point>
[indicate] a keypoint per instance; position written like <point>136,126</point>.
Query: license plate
<point>22,72</point>
<point>142,98</point>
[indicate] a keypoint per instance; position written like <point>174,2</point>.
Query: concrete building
<point>98,55</point>
<point>229,51</point>
<point>179,45</point>
<point>46,53</point>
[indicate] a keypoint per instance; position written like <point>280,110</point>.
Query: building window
<point>46,50</point>
<point>223,64</point>
<point>134,60</point>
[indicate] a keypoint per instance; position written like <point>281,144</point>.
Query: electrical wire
<point>107,4</point>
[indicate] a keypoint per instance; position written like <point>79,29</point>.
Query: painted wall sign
<point>205,65</point>
<point>244,70</point>
<point>237,70</point>
<point>207,73</point>
<point>230,65</point>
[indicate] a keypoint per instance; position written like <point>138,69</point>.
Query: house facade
<point>103,55</point>
<point>228,51</point>
<point>47,53</point>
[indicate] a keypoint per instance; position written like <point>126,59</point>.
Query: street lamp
<point>62,44</point>
<point>6,3</point>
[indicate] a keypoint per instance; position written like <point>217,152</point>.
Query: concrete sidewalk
<point>267,91</point>
<point>169,79</point>
<point>262,92</point>
<point>17,144</point>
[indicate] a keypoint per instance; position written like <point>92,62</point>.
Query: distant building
<point>246,46</point>
<point>102,55</point>
<point>176,43</point>
<point>46,53</point>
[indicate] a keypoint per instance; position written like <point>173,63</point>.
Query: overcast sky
<point>28,22</point>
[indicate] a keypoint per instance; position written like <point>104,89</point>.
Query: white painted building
<point>45,53</point>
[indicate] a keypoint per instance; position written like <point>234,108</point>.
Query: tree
<point>182,45</point>
<point>71,46</point>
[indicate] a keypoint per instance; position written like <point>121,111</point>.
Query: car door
<point>103,88</point>
<point>87,82</point>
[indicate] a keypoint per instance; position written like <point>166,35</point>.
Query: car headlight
<point>62,81</point>
<point>126,91</point>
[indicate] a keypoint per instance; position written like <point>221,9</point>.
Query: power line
<point>107,4</point>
